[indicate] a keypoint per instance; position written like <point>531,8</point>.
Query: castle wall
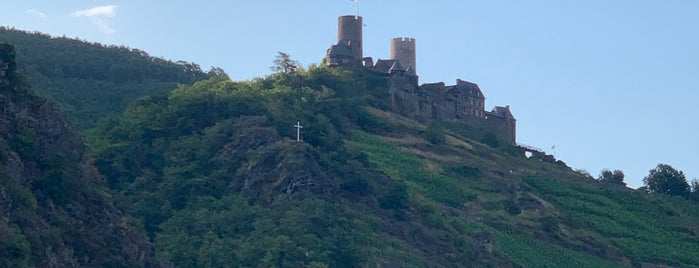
<point>437,102</point>
<point>503,128</point>
<point>349,30</point>
<point>403,49</point>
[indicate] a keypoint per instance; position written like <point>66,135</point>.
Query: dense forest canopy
<point>90,81</point>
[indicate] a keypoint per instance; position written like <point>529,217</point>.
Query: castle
<point>461,103</point>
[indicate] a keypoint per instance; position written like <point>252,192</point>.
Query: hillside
<point>54,208</point>
<point>215,177</point>
<point>90,81</point>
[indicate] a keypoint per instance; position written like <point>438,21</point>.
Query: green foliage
<point>491,140</point>
<point>615,177</point>
<point>24,144</point>
<point>694,185</point>
<point>7,61</point>
<point>407,167</point>
<point>90,81</point>
<point>14,247</point>
<point>435,133</point>
<point>213,173</point>
<point>396,198</point>
<point>664,179</point>
<point>527,252</point>
<point>283,63</point>
<point>648,229</point>
<point>512,207</point>
<point>7,53</point>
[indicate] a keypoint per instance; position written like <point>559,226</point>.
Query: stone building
<point>463,102</point>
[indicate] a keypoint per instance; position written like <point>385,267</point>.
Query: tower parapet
<point>403,50</point>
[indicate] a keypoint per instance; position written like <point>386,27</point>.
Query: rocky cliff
<point>54,211</point>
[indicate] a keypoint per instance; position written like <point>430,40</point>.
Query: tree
<point>435,133</point>
<point>694,185</point>
<point>283,63</point>
<point>584,173</point>
<point>491,140</point>
<point>217,71</point>
<point>615,177</point>
<point>665,179</point>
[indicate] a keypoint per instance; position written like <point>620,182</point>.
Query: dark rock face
<point>54,211</point>
<point>271,166</point>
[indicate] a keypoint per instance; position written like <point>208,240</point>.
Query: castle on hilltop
<point>461,103</point>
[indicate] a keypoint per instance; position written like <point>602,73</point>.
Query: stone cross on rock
<point>298,131</point>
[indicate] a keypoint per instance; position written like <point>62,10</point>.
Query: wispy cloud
<point>36,13</point>
<point>98,16</point>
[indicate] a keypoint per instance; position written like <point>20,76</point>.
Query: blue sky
<point>613,84</point>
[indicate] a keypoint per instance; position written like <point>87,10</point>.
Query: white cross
<point>298,131</point>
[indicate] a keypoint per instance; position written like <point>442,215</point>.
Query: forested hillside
<point>213,174</point>
<point>207,172</point>
<point>54,208</point>
<point>90,81</point>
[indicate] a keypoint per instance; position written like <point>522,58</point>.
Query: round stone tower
<point>349,31</point>
<point>403,49</point>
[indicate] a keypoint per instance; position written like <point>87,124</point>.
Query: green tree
<point>665,179</point>
<point>491,140</point>
<point>615,177</point>
<point>694,185</point>
<point>283,63</point>
<point>435,133</point>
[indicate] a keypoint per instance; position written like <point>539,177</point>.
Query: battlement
<point>404,40</point>
<point>351,18</point>
<point>403,50</point>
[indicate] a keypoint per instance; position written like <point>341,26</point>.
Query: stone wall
<point>462,103</point>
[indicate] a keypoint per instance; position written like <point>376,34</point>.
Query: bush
<point>511,207</point>
<point>615,177</point>
<point>434,133</point>
<point>491,140</point>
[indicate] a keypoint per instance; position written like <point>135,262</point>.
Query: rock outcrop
<point>54,211</point>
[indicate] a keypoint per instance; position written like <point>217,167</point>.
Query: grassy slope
<point>575,221</point>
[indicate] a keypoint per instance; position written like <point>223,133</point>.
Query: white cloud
<point>37,13</point>
<point>98,16</point>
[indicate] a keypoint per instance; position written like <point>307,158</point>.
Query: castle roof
<point>342,49</point>
<point>466,88</point>
<point>396,67</point>
<point>384,66</point>
<point>503,112</point>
